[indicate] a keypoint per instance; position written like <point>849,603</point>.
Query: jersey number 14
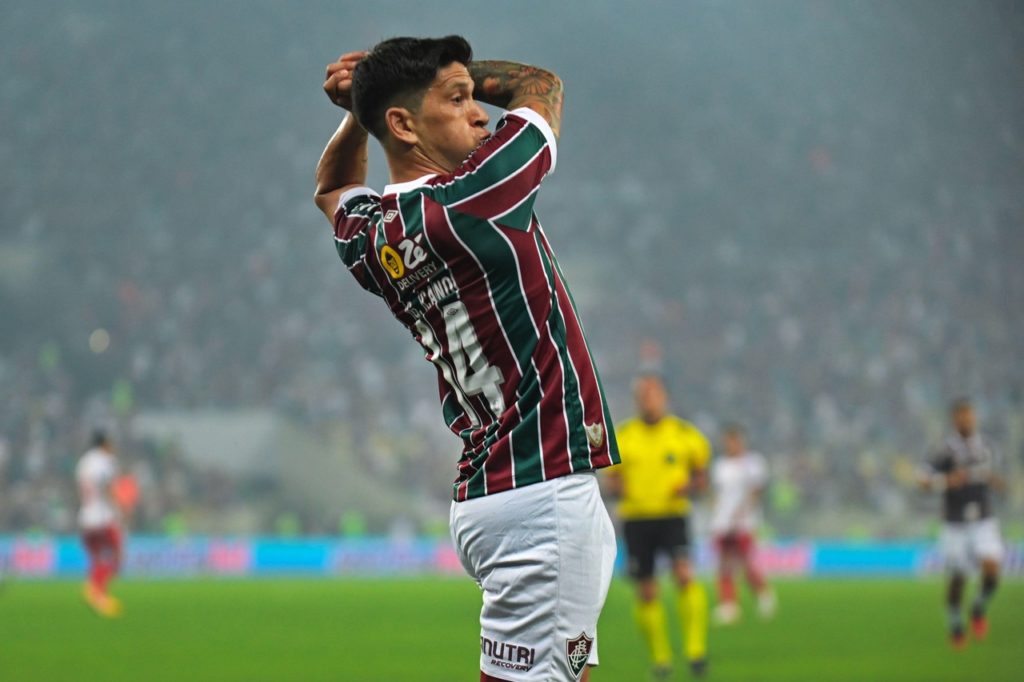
<point>468,374</point>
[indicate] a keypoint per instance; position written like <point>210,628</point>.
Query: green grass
<point>425,630</point>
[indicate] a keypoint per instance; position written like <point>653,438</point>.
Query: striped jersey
<point>462,262</point>
<point>973,454</point>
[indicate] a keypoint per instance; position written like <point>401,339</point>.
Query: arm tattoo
<point>511,85</point>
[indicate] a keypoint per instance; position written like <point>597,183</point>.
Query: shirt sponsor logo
<point>392,262</point>
<point>578,652</point>
<point>413,256</point>
<point>417,276</point>
<point>507,655</point>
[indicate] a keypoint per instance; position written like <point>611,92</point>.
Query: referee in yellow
<point>664,460</point>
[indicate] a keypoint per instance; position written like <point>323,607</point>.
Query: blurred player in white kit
<point>99,523</point>
<point>738,480</point>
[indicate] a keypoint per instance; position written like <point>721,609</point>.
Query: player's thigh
<point>641,548</point>
<point>544,559</point>
<point>746,545</point>
<point>508,543</point>
<point>461,526</point>
<point>955,546</point>
<point>674,538</point>
<point>726,549</point>
<point>95,542</point>
<point>586,555</point>
<point>116,539</point>
<point>501,538</point>
<point>986,540</point>
<point>108,544</point>
<point>88,542</point>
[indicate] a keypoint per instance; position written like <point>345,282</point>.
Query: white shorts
<point>543,556</point>
<point>964,544</point>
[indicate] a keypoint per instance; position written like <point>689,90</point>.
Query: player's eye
<point>458,99</point>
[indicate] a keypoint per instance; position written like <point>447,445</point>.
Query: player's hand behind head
<point>338,83</point>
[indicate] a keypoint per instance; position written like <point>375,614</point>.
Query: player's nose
<point>479,116</point>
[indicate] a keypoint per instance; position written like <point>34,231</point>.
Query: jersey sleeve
<point>111,470</point>
<point>996,462</point>
<point>715,476</point>
<point>352,220</point>
<point>499,181</point>
<point>758,470</point>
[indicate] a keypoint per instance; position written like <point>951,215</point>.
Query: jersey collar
<point>399,188</point>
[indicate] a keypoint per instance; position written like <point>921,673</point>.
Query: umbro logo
<point>390,215</point>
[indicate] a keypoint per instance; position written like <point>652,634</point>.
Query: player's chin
<point>460,157</point>
<point>479,141</point>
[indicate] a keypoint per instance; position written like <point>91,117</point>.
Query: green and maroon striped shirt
<point>463,263</point>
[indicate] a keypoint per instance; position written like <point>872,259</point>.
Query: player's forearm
<point>613,484</point>
<point>345,159</point>
<point>511,85</point>
<point>956,479</point>
<point>698,481</point>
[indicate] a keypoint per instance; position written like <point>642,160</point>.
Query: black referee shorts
<point>647,538</point>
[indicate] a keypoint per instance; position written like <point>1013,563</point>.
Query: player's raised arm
<point>344,161</point>
<point>511,85</point>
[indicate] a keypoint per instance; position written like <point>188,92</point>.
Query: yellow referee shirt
<point>656,463</point>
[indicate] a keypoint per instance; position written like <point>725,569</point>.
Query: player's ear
<point>401,124</point>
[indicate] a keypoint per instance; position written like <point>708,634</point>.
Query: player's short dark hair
<point>400,70</point>
<point>960,403</point>
<point>734,429</point>
<point>99,438</point>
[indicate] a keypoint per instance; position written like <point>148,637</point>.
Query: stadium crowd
<point>799,258</point>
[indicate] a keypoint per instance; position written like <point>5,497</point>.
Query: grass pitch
<point>425,631</point>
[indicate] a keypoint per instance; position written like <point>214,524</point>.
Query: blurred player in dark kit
<point>966,470</point>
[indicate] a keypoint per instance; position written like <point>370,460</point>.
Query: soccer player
<point>664,460</point>
<point>98,521</point>
<point>965,469</point>
<point>454,249</point>
<point>738,480</point>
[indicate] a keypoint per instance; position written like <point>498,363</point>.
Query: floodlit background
<point>810,215</point>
